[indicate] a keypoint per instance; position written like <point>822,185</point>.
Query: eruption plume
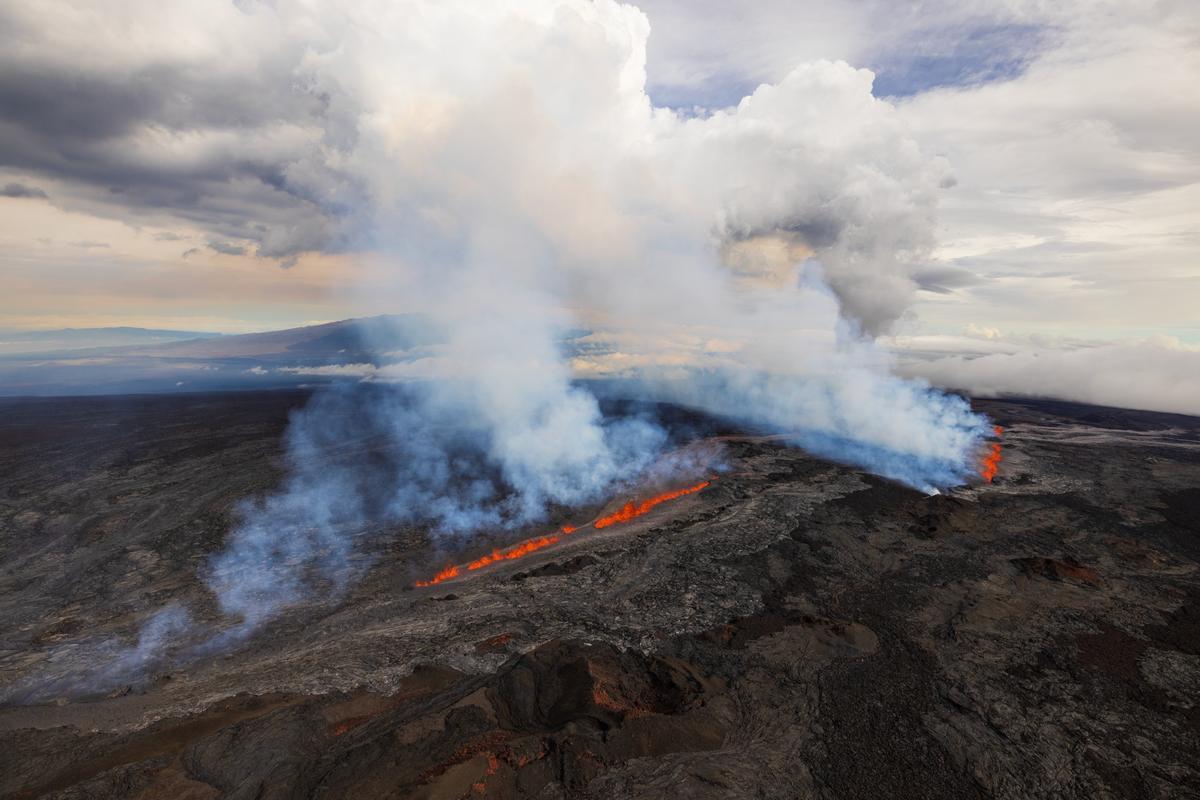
<point>501,169</point>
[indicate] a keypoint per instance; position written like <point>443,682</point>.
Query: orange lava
<point>523,549</point>
<point>626,513</point>
<point>631,509</point>
<point>445,575</point>
<point>991,462</point>
<point>520,551</point>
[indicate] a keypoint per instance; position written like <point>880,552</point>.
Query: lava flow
<point>523,549</point>
<point>631,509</point>
<point>519,551</point>
<point>626,513</point>
<point>445,575</point>
<point>991,462</point>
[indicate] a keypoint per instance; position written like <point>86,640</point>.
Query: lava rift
<point>513,553</point>
<point>627,512</point>
<point>991,461</point>
<point>631,509</point>
<point>445,575</point>
<point>521,550</point>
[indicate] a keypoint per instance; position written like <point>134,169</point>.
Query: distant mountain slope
<point>124,360</point>
<point>366,338</point>
<point>23,342</point>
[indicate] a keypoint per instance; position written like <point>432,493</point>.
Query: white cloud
<point>1159,374</point>
<point>1078,179</point>
<point>1077,170</point>
<point>333,370</point>
<point>281,128</point>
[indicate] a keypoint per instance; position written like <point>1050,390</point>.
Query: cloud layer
<point>149,112</point>
<point>1156,375</point>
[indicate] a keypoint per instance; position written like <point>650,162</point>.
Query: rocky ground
<point>797,629</point>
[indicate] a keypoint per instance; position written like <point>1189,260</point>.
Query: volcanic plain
<point>794,629</point>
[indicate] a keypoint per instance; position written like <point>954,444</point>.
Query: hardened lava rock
<point>796,629</point>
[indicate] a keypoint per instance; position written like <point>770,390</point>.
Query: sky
<point>1069,128</point>
<point>1034,165</point>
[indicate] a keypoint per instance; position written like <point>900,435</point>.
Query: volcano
<point>788,628</point>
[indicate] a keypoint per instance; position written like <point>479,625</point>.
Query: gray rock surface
<point>797,629</point>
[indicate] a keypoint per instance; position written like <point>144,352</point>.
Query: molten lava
<point>626,513</point>
<point>631,509</point>
<point>521,550</point>
<point>991,461</point>
<point>445,575</point>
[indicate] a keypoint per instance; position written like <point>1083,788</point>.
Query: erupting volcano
<point>991,462</point>
<point>627,512</point>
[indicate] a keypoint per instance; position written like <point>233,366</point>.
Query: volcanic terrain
<point>792,628</point>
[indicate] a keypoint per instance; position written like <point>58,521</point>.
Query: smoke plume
<point>503,171</point>
<point>524,184</point>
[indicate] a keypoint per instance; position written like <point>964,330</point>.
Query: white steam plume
<point>521,181</point>
<point>533,178</point>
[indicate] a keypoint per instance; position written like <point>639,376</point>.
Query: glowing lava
<point>445,575</point>
<point>631,509</point>
<point>991,462</point>
<point>626,513</point>
<point>521,550</point>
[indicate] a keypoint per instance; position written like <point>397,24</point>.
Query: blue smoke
<point>900,429</point>
<point>359,456</point>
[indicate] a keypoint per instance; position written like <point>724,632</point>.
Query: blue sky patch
<point>957,57</point>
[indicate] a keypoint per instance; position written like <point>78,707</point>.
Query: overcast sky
<point>157,169</point>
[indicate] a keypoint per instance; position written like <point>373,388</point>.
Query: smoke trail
<point>836,394</point>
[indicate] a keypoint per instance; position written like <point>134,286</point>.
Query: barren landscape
<point>796,628</point>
